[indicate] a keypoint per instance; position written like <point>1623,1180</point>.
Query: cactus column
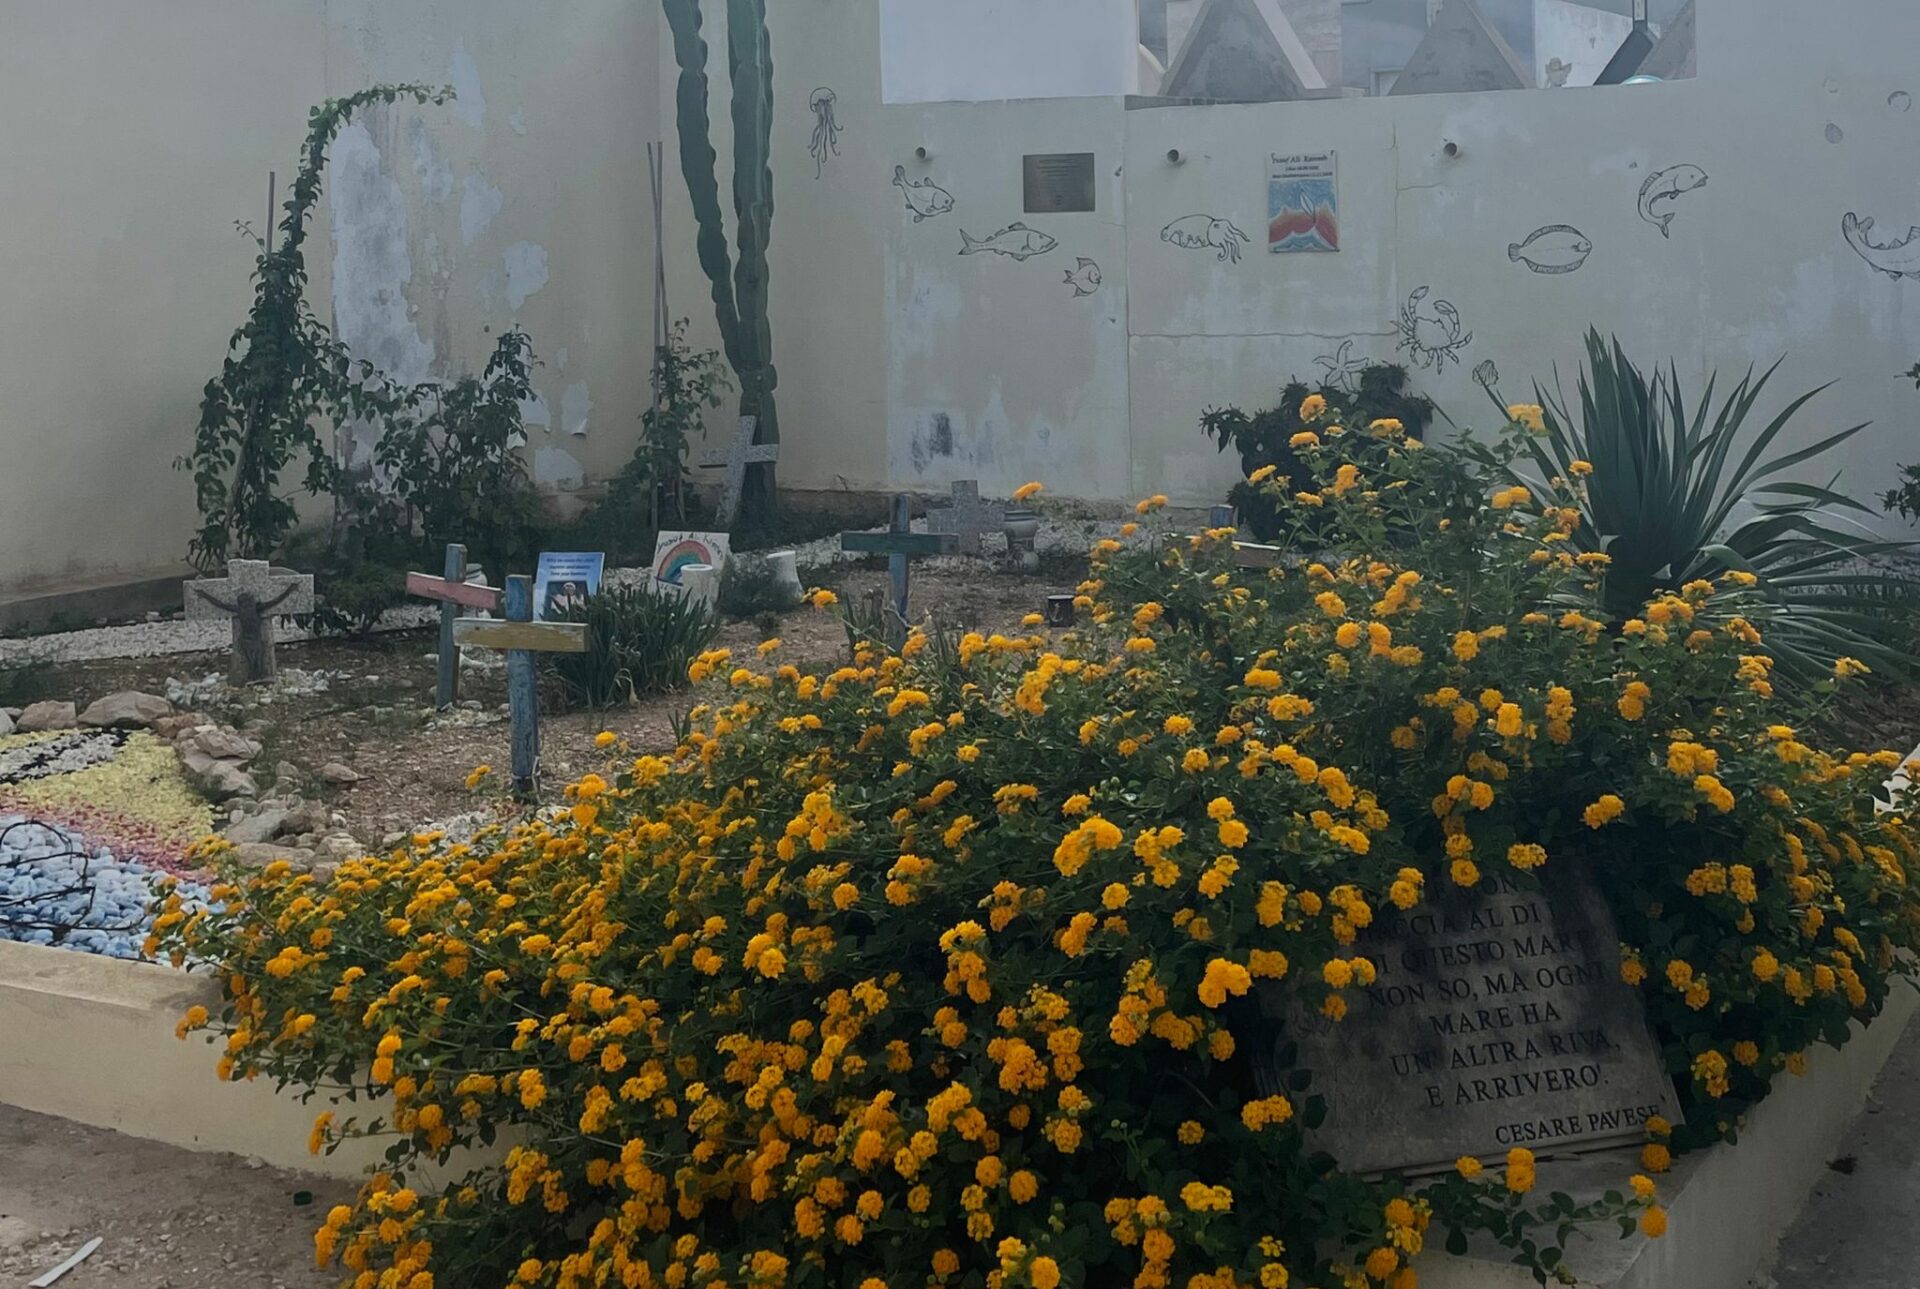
<point>739,284</point>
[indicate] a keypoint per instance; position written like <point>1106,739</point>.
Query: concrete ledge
<point>1728,1206</point>
<point>91,1039</point>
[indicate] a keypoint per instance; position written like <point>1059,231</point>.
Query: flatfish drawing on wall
<point>1557,248</point>
<point>925,198</point>
<point>1896,259</point>
<point>1204,232</point>
<point>1663,188</point>
<point>1016,241</point>
<point>1085,278</point>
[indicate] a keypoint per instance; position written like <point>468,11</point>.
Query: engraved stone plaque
<point>1498,1019</point>
<point>1058,182</point>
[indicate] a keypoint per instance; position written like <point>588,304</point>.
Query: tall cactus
<point>739,287</point>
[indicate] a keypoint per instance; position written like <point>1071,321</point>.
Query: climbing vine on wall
<point>285,374</point>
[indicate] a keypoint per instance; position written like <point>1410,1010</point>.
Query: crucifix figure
<point>743,453</point>
<point>899,544</point>
<point>251,596</point>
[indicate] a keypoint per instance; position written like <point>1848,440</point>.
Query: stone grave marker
<point>742,453</point>
<point>899,544</point>
<point>968,517</point>
<point>522,637</point>
<point>452,591</point>
<point>1498,1019</point>
<point>251,596</point>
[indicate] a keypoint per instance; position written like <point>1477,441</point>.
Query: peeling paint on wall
<point>526,271</point>
<point>371,263</point>
<point>574,408</point>
<point>557,468</point>
<point>469,104</point>
<point>518,120</point>
<point>431,168</point>
<point>480,201</point>
<point>534,411</point>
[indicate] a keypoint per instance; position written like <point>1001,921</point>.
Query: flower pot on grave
<point>1022,526</point>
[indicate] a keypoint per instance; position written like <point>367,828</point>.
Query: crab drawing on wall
<point>1431,334</point>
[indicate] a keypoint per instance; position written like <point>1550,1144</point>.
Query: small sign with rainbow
<point>675,551</point>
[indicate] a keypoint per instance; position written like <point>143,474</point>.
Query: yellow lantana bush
<point>941,968</point>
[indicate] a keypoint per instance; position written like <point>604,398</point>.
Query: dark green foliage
<point>748,587</point>
<point>353,596</point>
<point>285,376</point>
<point>739,288</point>
<point>650,490</point>
<point>454,464</point>
<point>23,684</point>
<point>1262,439</point>
<point>638,643</point>
<point>1681,491</point>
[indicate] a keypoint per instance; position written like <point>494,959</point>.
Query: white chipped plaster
<point>526,270</point>
<point>469,104</point>
<point>480,201</point>
<point>575,406</point>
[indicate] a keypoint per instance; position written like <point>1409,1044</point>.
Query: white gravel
<point>157,639</point>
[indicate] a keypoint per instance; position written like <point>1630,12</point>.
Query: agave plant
<point>1683,490</point>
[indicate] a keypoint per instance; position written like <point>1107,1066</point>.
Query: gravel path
<point>168,1218</point>
<point>156,639</point>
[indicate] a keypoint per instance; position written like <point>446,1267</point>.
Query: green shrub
<point>650,490</point>
<point>749,586</point>
<point>638,643</point>
<point>1267,438</point>
<point>1676,492</point>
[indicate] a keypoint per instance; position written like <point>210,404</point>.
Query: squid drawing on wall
<point>826,129</point>
<point>1897,259</point>
<point>1204,232</point>
<point>925,199</point>
<point>1430,333</point>
<point>1016,241</point>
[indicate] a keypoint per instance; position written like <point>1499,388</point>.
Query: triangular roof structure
<point>1673,59</point>
<point>1462,52</point>
<point>1242,51</point>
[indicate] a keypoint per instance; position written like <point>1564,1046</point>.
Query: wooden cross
<point>251,595</point>
<point>522,637</point>
<point>968,516</point>
<point>452,591</point>
<point>743,453</point>
<point>900,544</point>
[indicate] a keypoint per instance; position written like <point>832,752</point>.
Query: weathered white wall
<point>144,131</point>
<point>1576,34</point>
<point>920,365</point>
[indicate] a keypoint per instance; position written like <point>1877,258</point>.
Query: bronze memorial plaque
<point>1057,183</point>
<point>1498,1019</point>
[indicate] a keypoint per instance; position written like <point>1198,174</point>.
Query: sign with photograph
<point>1303,202</point>
<point>565,580</point>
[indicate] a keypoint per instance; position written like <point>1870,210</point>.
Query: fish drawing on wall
<point>1016,241</point>
<point>1667,186</point>
<point>1430,333</point>
<point>1896,259</point>
<point>826,128</point>
<point>1340,369</point>
<point>925,199</point>
<point>1557,248</point>
<point>1201,232</point>
<point>1085,278</point>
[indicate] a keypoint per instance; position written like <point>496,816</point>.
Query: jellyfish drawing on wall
<point>826,130</point>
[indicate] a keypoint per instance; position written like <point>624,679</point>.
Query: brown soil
<point>167,1218</point>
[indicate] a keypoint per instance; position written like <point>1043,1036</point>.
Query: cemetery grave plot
<point>369,705</point>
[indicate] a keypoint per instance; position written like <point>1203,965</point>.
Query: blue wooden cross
<point>900,544</point>
<point>522,637</point>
